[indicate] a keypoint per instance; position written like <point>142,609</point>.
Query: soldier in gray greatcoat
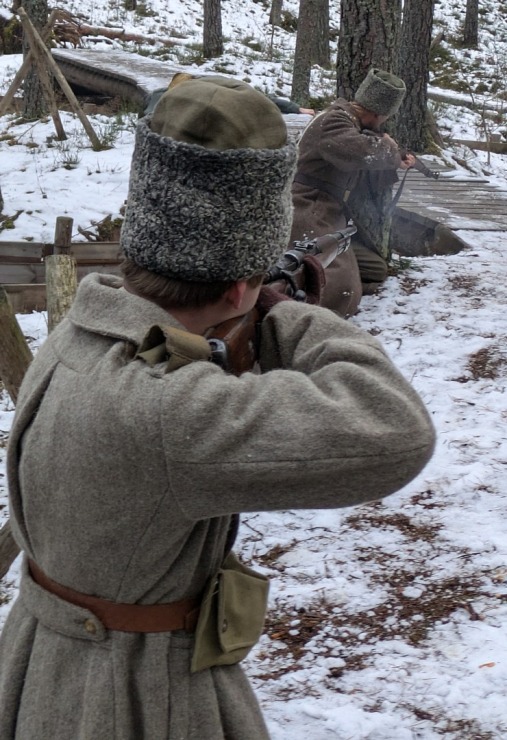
<point>342,159</point>
<point>132,453</point>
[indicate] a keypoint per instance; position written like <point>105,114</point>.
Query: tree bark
<point>212,42</point>
<point>305,51</point>
<point>412,125</point>
<point>369,37</point>
<point>275,14</point>
<point>22,71</point>
<point>34,104</point>
<point>471,28</point>
<point>37,49</point>
<point>66,88</point>
<point>321,54</point>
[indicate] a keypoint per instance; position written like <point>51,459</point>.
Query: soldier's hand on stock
<point>407,161</point>
<point>268,299</point>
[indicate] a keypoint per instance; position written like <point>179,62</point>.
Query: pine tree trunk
<point>369,37</point>
<point>212,42</point>
<point>471,29</point>
<point>305,51</point>
<point>321,56</point>
<point>34,105</point>
<point>275,14</point>
<point>412,125</point>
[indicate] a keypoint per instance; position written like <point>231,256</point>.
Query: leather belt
<point>177,615</point>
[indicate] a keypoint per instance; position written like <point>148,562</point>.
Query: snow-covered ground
<point>387,621</point>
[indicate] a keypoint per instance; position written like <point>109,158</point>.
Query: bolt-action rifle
<point>235,343</point>
<point>419,165</point>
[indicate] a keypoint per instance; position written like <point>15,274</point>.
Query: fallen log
<point>495,147</point>
<point>82,29</point>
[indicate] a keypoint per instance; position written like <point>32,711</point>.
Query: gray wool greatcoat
<point>122,484</point>
<point>334,151</point>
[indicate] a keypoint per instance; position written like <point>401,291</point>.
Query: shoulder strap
<point>174,346</point>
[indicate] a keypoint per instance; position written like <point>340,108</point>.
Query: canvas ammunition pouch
<point>232,614</point>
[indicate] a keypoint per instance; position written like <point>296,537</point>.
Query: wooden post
<point>61,274</point>
<point>23,70</point>
<point>53,67</point>
<point>36,46</point>
<point>63,235</point>
<point>15,356</point>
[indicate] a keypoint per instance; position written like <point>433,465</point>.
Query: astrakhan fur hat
<point>210,184</point>
<point>381,92</point>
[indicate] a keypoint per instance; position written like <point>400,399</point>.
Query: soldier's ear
<point>235,294</point>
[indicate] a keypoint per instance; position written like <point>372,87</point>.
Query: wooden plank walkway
<point>457,201</point>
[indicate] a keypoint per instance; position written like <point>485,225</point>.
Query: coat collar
<point>103,306</point>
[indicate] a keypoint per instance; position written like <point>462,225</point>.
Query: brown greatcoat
<point>333,152</point>
<point>123,481</point>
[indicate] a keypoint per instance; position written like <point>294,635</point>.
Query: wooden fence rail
<point>23,268</point>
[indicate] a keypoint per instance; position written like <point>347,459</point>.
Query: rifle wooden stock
<point>235,343</point>
<point>420,166</point>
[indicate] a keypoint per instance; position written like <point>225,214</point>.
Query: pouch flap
<point>242,602</point>
<point>231,617</point>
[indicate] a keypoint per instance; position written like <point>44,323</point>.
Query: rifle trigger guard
<point>296,293</point>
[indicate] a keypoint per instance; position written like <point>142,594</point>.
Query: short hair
<point>170,292</point>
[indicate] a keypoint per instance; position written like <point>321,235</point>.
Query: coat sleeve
<point>330,422</point>
<point>344,145</point>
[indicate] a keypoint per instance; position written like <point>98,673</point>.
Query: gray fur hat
<point>211,201</point>
<point>381,92</point>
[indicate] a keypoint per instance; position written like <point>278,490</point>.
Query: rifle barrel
<point>334,244</point>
